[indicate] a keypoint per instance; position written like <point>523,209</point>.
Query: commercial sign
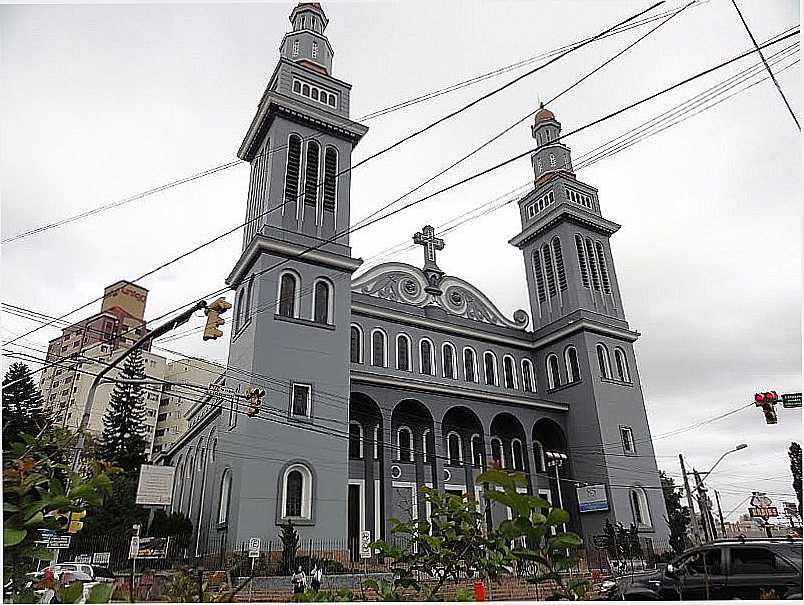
<point>365,540</point>
<point>152,548</point>
<point>101,558</point>
<point>59,541</point>
<point>156,485</point>
<point>761,507</point>
<point>790,509</point>
<point>592,498</point>
<point>86,559</point>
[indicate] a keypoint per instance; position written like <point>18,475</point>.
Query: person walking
<point>299,581</point>
<point>315,578</point>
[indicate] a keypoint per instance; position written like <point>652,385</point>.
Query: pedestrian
<point>315,578</point>
<point>299,581</point>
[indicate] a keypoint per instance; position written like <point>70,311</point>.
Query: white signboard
<point>134,547</point>
<point>592,498</point>
<point>156,485</point>
<point>365,540</point>
<point>101,558</point>
<point>87,559</point>
<point>254,548</point>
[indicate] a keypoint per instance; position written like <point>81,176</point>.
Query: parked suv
<point>728,569</point>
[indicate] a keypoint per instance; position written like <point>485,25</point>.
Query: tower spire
<point>306,43</point>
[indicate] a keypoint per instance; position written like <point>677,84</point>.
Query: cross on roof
<point>426,238</point>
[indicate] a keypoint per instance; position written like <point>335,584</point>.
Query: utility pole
<point>706,512</point>
<point>696,530</point>
<point>720,514</point>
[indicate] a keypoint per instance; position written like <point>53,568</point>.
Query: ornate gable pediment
<point>406,284</point>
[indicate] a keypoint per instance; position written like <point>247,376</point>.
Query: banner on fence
<point>155,487</point>
<point>59,541</point>
<point>592,498</point>
<point>101,558</point>
<point>152,548</point>
<point>86,559</point>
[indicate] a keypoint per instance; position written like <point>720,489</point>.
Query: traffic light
<point>767,401</point>
<point>254,397</point>
<point>75,524</point>
<point>214,312</point>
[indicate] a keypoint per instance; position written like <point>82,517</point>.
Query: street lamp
<point>739,447</point>
<point>704,500</point>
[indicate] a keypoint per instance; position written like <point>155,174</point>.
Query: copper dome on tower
<point>543,114</point>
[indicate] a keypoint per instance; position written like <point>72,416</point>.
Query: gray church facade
<point>398,377</point>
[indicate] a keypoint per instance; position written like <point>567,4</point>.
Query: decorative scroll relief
<point>406,284</point>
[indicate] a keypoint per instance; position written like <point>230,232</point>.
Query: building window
<point>497,452</point>
<point>248,301</point>
<point>527,376</point>
<point>295,48</point>
<point>477,451</point>
<point>558,257</point>
<point>490,368</point>
<point>448,360</point>
<point>356,344</point>
<point>622,365</point>
<point>330,178</point>
<point>226,490</point>
<point>314,92</point>
<point>571,359</point>
<point>377,442</point>
<point>517,456</point>
<point>469,365</point>
<point>355,441</point>
<point>509,372</point>
<point>301,400</point>
<point>639,507</point>
<point>553,374</point>
<point>297,87</point>
<point>426,446</point>
<point>292,170</point>
<point>404,444</point>
<point>627,436</point>
<point>288,295</point>
<point>311,174</point>
<point>315,50</point>
<point>378,352</point>
<point>552,160</point>
<point>403,353</point>
<point>539,275</point>
<point>603,361</point>
<point>454,448</point>
<point>590,258</point>
<point>322,302</point>
<point>582,261</point>
<point>604,270</point>
<point>538,453</point>
<point>426,364</point>
<point>548,269</point>
<point>297,490</point>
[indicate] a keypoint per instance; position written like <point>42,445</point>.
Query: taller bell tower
<point>585,355</point>
<point>290,332</point>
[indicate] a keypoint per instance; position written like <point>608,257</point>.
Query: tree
<point>23,407</point>
<point>450,545</point>
<point>678,516</point>
<point>123,441</point>
<point>290,545</point>
<point>118,513</point>
<point>794,453</point>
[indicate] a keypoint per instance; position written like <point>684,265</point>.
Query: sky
<point>104,101</point>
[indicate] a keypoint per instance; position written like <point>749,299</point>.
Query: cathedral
<point>406,376</point>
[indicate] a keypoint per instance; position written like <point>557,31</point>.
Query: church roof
<point>406,284</point>
<point>543,115</point>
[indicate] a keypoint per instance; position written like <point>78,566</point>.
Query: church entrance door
<point>354,521</point>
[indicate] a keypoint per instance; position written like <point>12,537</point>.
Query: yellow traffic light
<point>254,397</point>
<point>214,312</point>
<point>75,524</point>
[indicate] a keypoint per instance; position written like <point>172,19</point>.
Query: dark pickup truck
<point>727,569</point>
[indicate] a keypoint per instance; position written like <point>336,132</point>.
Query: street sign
<point>59,541</point>
<point>44,535</point>
<point>791,400</point>
<point>134,547</point>
<point>365,540</point>
<point>87,559</point>
<point>219,393</point>
<point>790,509</point>
<point>155,487</point>
<point>592,498</point>
<point>101,558</point>
<point>600,540</point>
<point>254,548</point>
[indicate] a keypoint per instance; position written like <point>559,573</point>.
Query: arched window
<point>355,441</point>
<point>548,269</point>
<point>571,359</point>
<point>490,368</point>
<point>426,446</point>
<point>356,344</point>
<point>527,376</point>
<point>248,301</point>
<point>404,444</point>
<point>477,451</point>
<point>590,258</point>
<point>639,507</point>
<point>403,353</point>
<point>292,170</point>
<point>538,454</point>
<point>561,275</point>
<point>311,173</point>
<point>537,271</point>
<point>330,179</point>
<point>287,303</point>
<point>517,455</point>
<point>603,361</point>
<point>582,261</point>
<point>509,372</point>
<point>448,360</point>
<point>604,270</point>
<point>322,302</point>
<point>378,350</point>
<point>426,365</point>
<point>454,449</point>
<point>469,365</point>
<point>238,314</point>
<point>497,452</point>
<point>225,495</point>
<point>297,490</point>
<point>553,374</point>
<point>622,365</point>
<point>377,442</point>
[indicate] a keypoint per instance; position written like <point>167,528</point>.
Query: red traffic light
<point>771,396</point>
<point>767,397</point>
<point>759,397</point>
